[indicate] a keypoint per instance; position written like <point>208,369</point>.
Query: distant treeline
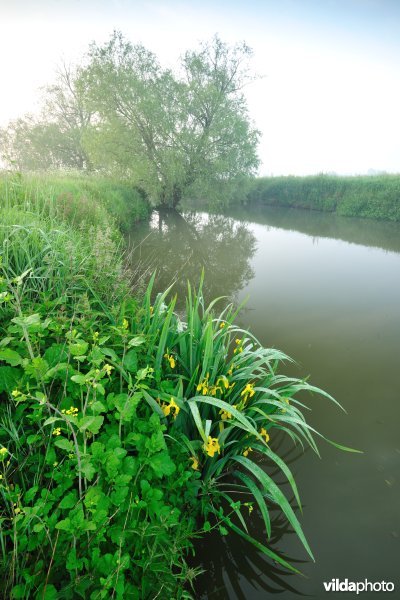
<point>376,197</point>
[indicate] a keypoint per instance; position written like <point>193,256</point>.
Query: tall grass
<point>79,200</point>
<point>375,197</point>
<point>66,231</point>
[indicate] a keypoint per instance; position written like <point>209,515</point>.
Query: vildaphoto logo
<point>335,585</point>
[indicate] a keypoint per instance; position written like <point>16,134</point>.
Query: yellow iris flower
<point>212,446</point>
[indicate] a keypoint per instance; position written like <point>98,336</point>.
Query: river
<point>326,291</point>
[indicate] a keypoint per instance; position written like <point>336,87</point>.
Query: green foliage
<point>376,197</point>
<point>95,502</point>
<point>55,139</point>
<point>174,135</point>
<point>122,423</point>
<point>224,398</point>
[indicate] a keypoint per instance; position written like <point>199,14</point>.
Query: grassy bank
<point>125,429</point>
<point>376,197</point>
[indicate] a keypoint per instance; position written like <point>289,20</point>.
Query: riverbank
<point>78,455</point>
<point>126,430</point>
<point>375,197</point>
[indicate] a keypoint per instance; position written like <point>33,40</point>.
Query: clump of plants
<point>96,501</point>
<point>224,398</point>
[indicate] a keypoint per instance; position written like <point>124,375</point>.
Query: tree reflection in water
<point>180,246</point>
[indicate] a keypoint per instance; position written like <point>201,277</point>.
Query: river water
<point>326,291</point>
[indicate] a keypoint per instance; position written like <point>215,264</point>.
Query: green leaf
<point>80,379</point>
<point>91,423</point>
<point>110,353</point>
<point>87,467</point>
<point>263,549</point>
<point>136,341</point>
<point>278,496</point>
<point>9,378</point>
<point>131,361</point>
<point>79,348</point>
<point>162,464</point>
<point>55,355</point>
<point>10,356</point>
<point>98,407</point>
<point>64,525</point>
<point>69,500</point>
<point>126,406</point>
<point>51,420</point>
<point>19,591</point>
<point>33,438</point>
<point>64,444</point>
<point>30,323</point>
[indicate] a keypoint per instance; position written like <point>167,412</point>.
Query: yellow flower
<point>57,431</point>
<point>265,435</point>
<point>224,381</point>
<point>3,452</point>
<point>15,393</point>
<point>225,413</point>
<point>247,450</point>
<point>125,324</point>
<point>171,360</point>
<point>247,392</point>
<point>195,463</point>
<point>212,446</point>
<point>95,336</point>
<point>172,406</point>
<point>107,369</point>
<point>222,325</point>
<point>203,385</point>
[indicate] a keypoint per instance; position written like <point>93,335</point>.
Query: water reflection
<point>367,232</point>
<point>334,307</point>
<point>180,246</point>
<point>235,569</point>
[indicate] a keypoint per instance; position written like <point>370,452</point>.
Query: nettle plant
<point>92,497</point>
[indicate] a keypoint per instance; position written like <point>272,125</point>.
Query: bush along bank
<point>376,197</point>
<point>124,428</point>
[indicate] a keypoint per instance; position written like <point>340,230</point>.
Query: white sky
<point>329,99</point>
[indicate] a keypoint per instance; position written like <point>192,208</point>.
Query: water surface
<point>325,290</point>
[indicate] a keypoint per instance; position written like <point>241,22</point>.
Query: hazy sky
<point>329,99</point>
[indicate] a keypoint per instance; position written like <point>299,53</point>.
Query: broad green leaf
<point>91,423</point>
<point>130,361</point>
<point>9,377</point>
<point>64,444</point>
<point>79,348</point>
<point>10,356</point>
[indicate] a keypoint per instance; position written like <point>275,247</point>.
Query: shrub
<point>93,496</point>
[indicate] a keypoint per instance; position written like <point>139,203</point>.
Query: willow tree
<point>175,134</point>
<point>55,137</point>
